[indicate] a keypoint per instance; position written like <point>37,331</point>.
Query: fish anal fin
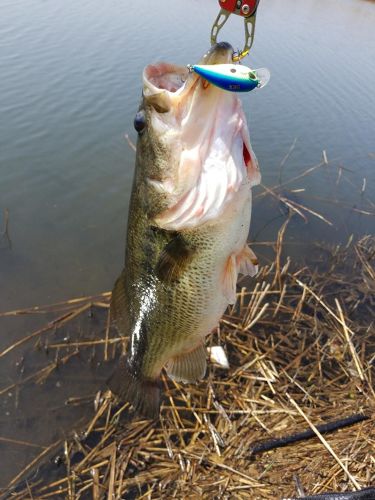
<point>189,366</point>
<point>174,259</point>
<point>118,307</point>
<point>247,262</point>
<point>143,393</point>
<point>230,279</point>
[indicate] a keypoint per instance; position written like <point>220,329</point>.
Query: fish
<point>188,224</point>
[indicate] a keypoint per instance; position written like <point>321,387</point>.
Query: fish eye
<point>140,121</point>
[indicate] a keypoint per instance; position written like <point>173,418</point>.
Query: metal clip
<point>245,8</point>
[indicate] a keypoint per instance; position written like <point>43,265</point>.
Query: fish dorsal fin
<point>174,259</point>
<point>188,367</point>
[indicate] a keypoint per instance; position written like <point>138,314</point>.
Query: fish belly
<point>197,303</point>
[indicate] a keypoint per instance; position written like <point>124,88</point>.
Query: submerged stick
<point>33,462</point>
<point>58,306</point>
<point>131,143</point>
<point>271,444</point>
<point>284,160</point>
<point>5,233</point>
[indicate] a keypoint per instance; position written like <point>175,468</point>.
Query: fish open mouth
<point>206,128</point>
<point>164,76</point>
<point>178,79</point>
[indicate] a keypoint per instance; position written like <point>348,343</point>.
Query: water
<point>69,88</point>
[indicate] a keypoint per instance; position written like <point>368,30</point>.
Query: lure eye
<point>140,121</point>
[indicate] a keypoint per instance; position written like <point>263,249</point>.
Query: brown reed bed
<point>301,349</point>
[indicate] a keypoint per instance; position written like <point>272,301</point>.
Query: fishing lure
<point>232,77</point>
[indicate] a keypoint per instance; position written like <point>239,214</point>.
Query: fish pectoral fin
<point>230,279</point>
<point>188,367</point>
<point>174,259</point>
<point>118,307</point>
<point>142,392</point>
<point>247,262</point>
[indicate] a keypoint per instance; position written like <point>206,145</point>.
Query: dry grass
<point>301,348</point>
<point>301,351</point>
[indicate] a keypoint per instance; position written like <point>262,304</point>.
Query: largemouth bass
<point>188,224</point>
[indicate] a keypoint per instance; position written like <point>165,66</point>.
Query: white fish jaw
<point>205,130</point>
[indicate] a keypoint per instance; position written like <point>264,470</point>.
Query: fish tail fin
<point>143,393</point>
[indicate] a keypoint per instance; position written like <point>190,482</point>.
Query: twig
<point>58,306</point>
<point>324,442</point>
<point>363,186</point>
<point>271,444</point>
<point>130,142</point>
<point>22,443</point>
<point>328,309</point>
<point>350,343</point>
<point>56,322</point>
<point>293,179</point>
<point>365,494</point>
<point>284,160</point>
<point>33,462</point>
<point>5,233</point>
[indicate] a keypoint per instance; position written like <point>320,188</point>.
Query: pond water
<point>69,88</point>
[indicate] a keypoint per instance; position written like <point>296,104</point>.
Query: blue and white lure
<point>232,77</point>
